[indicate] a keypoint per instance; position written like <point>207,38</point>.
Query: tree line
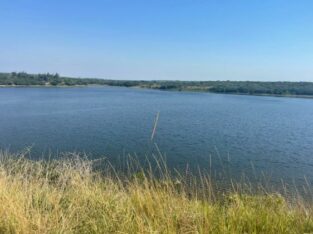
<point>239,87</point>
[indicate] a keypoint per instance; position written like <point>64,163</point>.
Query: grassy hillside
<point>235,87</point>
<point>67,196</point>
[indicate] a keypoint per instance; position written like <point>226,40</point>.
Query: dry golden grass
<point>67,196</point>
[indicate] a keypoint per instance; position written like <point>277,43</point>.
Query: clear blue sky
<point>159,39</point>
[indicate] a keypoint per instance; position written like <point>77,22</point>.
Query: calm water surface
<point>275,135</point>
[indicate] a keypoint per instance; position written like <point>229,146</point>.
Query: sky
<point>268,40</point>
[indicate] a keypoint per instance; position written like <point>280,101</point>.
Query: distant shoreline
<point>51,86</point>
<point>253,88</point>
<point>147,88</point>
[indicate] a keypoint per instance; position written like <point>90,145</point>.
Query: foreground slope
<point>67,196</point>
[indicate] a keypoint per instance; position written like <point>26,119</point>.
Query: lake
<point>245,134</point>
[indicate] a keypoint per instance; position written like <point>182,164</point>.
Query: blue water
<point>273,134</point>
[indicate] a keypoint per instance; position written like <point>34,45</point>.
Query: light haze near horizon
<point>268,40</point>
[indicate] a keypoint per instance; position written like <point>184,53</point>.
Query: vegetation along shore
<point>292,89</point>
<point>69,196</point>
